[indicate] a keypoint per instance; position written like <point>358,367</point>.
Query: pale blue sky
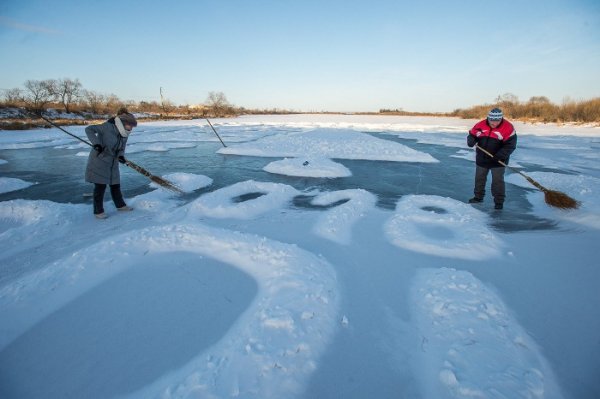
<point>309,55</point>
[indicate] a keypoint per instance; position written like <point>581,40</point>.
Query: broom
<point>553,198</point>
<point>156,179</point>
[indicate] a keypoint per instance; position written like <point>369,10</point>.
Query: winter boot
<point>475,200</point>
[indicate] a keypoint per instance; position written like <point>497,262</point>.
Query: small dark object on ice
<point>305,163</point>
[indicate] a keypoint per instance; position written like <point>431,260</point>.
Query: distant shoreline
<point>18,120</point>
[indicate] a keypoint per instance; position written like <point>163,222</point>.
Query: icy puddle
<point>128,331</point>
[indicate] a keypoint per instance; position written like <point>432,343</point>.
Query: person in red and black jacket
<point>498,136</point>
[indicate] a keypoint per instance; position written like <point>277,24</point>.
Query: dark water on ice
<point>59,176</point>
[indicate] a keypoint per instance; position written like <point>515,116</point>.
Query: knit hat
<point>126,117</point>
<point>495,115</point>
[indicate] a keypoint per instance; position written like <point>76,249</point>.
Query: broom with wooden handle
<point>553,198</point>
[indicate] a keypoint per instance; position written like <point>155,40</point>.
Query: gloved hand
<point>98,148</point>
<point>122,159</point>
<point>499,159</point>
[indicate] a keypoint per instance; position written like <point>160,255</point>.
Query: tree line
<point>537,109</point>
<point>70,95</point>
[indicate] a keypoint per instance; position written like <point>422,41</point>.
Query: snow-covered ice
<point>336,224</point>
<point>443,227</point>
<point>582,187</point>
<point>8,184</point>
<point>229,202</point>
<point>471,345</point>
<point>350,267</point>
<point>336,143</point>
<point>308,167</point>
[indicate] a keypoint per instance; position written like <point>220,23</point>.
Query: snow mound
<point>269,352</point>
<point>17,213</point>
<point>336,224</point>
<point>462,323</point>
<point>339,144</point>
<point>308,167</point>
<point>441,226</point>
<point>585,189</point>
<point>8,184</point>
<point>244,200</point>
<point>187,182</point>
<point>2,162</point>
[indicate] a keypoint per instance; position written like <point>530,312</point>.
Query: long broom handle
<point>215,132</point>
<point>58,127</point>
<point>529,179</point>
<point>129,163</point>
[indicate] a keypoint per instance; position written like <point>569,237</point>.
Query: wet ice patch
<point>229,202</point>
<point>8,184</point>
<point>443,227</point>
<point>583,188</point>
<point>462,323</point>
<point>336,223</point>
<point>269,352</point>
<point>308,167</point>
<point>157,147</point>
<point>339,144</point>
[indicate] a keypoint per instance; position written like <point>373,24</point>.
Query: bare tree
<point>68,91</point>
<point>539,100</point>
<point>94,100</point>
<point>38,93</point>
<point>113,103</point>
<point>217,102</point>
<point>13,97</point>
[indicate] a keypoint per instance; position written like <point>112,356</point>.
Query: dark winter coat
<point>103,168</point>
<point>500,141</point>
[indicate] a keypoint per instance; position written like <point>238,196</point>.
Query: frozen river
<point>316,256</point>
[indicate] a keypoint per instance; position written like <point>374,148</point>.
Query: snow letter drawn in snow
<point>443,227</point>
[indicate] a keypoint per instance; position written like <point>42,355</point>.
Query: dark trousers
<point>498,186</point>
<point>115,193</point>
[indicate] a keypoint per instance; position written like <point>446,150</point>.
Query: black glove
<point>499,159</point>
<point>98,148</point>
<point>122,159</point>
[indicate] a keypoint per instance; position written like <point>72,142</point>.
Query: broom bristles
<point>560,200</point>
<point>166,184</point>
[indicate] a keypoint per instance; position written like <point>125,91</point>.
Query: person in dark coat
<point>108,140</point>
<point>498,136</point>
